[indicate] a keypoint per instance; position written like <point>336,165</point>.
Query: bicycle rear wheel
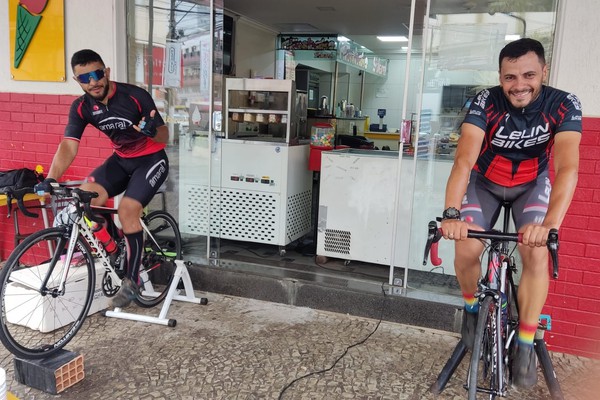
<point>162,246</point>
<point>36,322</point>
<point>486,356</point>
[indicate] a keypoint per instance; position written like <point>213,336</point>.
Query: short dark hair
<point>84,57</point>
<point>521,47</point>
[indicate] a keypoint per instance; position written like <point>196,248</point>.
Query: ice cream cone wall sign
<point>37,40</point>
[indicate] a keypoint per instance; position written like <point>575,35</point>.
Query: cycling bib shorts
<point>483,201</point>
<point>139,177</point>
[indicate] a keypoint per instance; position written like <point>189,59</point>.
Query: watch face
<point>451,213</point>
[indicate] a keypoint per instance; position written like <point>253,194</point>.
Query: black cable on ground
<point>345,351</point>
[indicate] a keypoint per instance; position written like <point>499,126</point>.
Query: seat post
<point>506,205</point>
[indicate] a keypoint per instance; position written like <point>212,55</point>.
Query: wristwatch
<point>451,213</point>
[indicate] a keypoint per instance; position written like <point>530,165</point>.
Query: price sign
<point>381,112</point>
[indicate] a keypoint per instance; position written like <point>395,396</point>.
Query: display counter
<point>381,139</point>
<point>357,198</point>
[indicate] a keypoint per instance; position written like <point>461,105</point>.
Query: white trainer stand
<point>181,273</point>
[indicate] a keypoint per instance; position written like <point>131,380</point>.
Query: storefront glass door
<point>180,45</point>
<point>460,58</point>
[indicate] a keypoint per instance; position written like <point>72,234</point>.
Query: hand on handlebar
<point>44,186</point>
<point>535,235</point>
<point>454,229</point>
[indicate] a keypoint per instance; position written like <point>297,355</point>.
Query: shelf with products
<point>266,110</point>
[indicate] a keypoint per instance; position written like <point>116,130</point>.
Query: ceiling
<point>363,20</point>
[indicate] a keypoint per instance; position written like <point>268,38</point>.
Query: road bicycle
<point>495,335</point>
<point>48,283</point>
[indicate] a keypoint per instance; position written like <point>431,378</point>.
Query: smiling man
<point>139,165</point>
<point>503,154</point>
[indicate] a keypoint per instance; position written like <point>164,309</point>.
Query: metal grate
<point>195,219</point>
<point>250,216</point>
<point>298,215</point>
<point>337,241</point>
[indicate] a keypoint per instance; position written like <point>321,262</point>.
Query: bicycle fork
<point>67,266</point>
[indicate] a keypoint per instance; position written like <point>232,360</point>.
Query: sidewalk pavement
<point>240,348</point>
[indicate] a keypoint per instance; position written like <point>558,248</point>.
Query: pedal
<point>545,322</point>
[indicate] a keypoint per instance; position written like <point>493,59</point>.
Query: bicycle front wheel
<point>39,318</point>
<point>486,357</point>
<point>162,246</point>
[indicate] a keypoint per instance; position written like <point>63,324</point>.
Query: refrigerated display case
<point>264,190</point>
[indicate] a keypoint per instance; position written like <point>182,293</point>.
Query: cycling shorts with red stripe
<point>483,201</point>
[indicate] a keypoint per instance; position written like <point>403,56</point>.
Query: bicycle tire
<point>483,372</point>
<point>35,325</point>
<point>160,252</point>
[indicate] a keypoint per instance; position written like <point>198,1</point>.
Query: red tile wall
<point>31,127</point>
<point>574,299</point>
<point>33,124</point>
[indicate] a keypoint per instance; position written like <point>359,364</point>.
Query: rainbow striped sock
<point>471,303</point>
<point>527,333</point>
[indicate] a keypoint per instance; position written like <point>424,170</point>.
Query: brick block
<point>58,109</point>
<point>575,316</point>
<point>53,119</point>
<point>571,249</point>
<point>584,208</point>
<point>23,137</point>
<point>594,223</point>
<point>586,331</point>
<point>573,276</point>
<point>586,166</point>
<point>18,116</point>
<point>573,343</point>
<point>10,106</point>
<point>570,350</point>
<point>53,374</point>
<point>34,127</point>
<point>21,97</point>
<point>592,251</point>
<point>67,99</point>
<point>589,153</point>
<point>36,109</point>
<point>590,124</point>
<point>561,301</point>
<point>12,126</point>
<point>589,305</point>
<point>584,194</point>
<point>574,262</point>
<point>588,140</point>
<point>574,235</point>
<point>46,98</point>
<point>591,278</point>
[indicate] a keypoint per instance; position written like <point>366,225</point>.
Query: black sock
<point>135,246</point>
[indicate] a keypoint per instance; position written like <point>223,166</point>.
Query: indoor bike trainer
<point>181,274</point>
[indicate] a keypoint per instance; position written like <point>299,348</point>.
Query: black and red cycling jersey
<point>125,108</point>
<point>518,141</point>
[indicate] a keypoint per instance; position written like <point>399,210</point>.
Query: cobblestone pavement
<point>238,348</point>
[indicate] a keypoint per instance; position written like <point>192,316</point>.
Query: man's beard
<point>103,95</point>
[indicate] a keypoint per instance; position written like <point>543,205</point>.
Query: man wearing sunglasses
<point>138,166</point>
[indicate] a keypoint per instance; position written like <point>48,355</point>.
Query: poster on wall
<point>172,65</point>
<point>37,40</point>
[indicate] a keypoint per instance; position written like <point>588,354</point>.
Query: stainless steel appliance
<point>308,81</point>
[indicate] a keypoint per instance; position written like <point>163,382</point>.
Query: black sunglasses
<point>95,75</point>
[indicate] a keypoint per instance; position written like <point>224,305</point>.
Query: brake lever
<point>434,234</point>
<point>552,244</point>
